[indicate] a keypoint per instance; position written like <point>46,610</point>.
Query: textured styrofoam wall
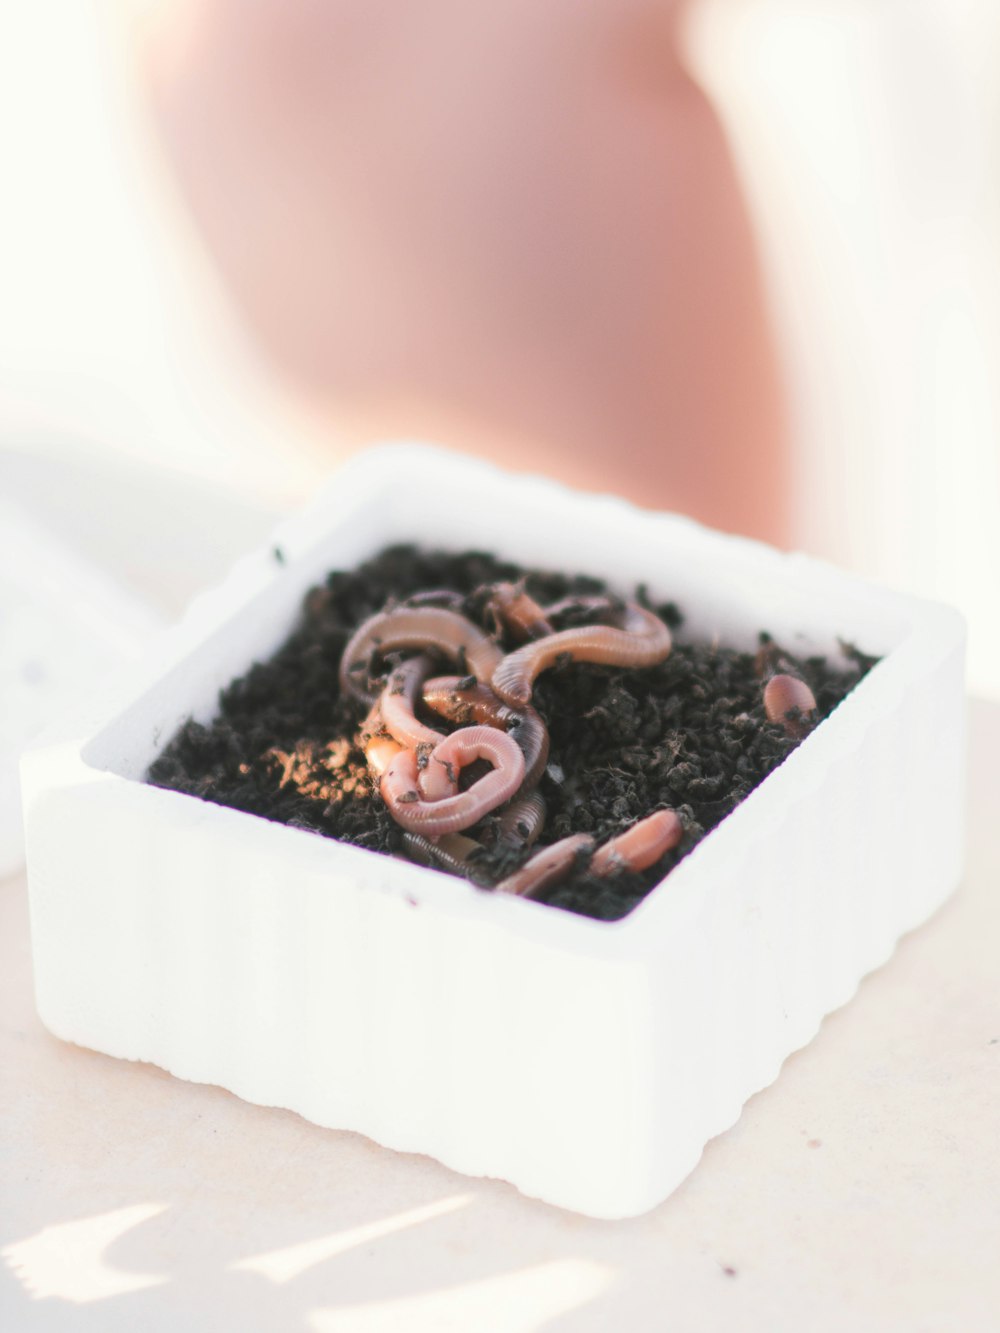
<point>586,1062</point>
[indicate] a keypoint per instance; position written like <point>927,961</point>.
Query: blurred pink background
<point>865,137</point>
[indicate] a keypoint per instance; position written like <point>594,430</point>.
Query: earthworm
<point>790,701</point>
<point>597,602</point>
<point>521,614</point>
<point>422,627</point>
<point>452,852</point>
<point>546,867</point>
<point>642,641</point>
<point>393,712</point>
<point>399,698</point>
<point>640,846</point>
<point>379,748</point>
<point>435,597</point>
<point>380,752</point>
<point>522,821</point>
<point>437,778</point>
<point>445,696</point>
<point>439,769</point>
<point>520,824</point>
<point>416,814</point>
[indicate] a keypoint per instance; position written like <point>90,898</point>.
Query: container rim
<point>383,480</point>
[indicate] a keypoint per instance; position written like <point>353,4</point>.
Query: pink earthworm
<point>642,641</point>
<point>520,824</point>
<point>523,820</point>
<point>421,627</point>
<point>546,867</point>
<point>437,777</point>
<point>439,768</point>
<point>453,852</point>
<point>521,614</point>
<point>790,701</point>
<point>399,699</point>
<point>597,602</point>
<point>381,747</point>
<point>445,696</point>
<point>640,846</point>
<point>435,597</point>
<point>395,708</point>
<point>380,751</point>
<point>401,792</point>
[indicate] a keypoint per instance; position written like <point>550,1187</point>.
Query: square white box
<point>587,1062</point>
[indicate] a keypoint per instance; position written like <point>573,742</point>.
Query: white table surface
<point>861,1191</point>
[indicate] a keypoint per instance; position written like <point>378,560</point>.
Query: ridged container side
<point>786,935</point>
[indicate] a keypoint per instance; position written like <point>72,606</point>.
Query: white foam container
<point>587,1062</point>
<point>64,623</point>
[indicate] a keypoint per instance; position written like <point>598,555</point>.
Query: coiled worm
<point>381,748</point>
<point>401,792</point>
<point>421,627</point>
<point>445,696</point>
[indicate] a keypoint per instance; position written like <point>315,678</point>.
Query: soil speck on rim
<point>690,734</point>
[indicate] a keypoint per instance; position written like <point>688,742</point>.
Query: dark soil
<point>689,734</point>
